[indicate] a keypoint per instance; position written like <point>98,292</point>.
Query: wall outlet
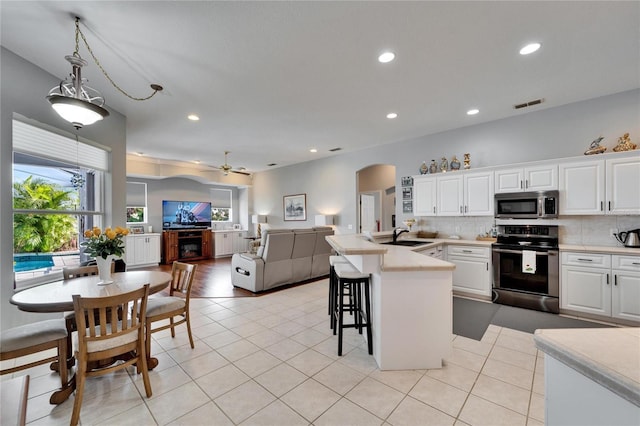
<point>613,231</point>
<point>349,226</point>
<point>457,229</point>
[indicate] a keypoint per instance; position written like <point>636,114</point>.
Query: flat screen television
<point>186,214</point>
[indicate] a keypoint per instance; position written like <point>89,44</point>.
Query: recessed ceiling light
<point>196,161</point>
<point>392,115</point>
<point>473,111</point>
<point>386,57</point>
<point>193,117</point>
<point>530,48</point>
<point>313,150</point>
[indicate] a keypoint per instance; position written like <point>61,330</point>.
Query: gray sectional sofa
<point>285,256</point>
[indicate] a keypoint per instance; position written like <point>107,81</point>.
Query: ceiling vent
<point>272,164</point>
<point>335,149</point>
<point>528,104</point>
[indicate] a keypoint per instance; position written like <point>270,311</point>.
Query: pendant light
<point>78,103</point>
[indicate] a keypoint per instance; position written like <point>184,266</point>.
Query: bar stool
<point>354,281</point>
<point>333,294</point>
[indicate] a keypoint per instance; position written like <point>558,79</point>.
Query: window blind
<point>33,140</point>
<point>221,198</point>
<point>136,194</point>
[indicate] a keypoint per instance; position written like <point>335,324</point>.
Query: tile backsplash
<point>578,230</point>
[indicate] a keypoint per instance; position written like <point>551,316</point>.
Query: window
<point>136,202</point>
<point>57,194</point>
<point>221,205</point>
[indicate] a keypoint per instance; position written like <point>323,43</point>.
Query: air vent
<point>335,149</point>
<point>272,164</point>
<point>528,104</point>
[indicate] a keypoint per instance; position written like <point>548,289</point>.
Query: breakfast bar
<point>411,298</point>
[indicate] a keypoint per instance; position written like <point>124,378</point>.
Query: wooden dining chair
<point>174,305</point>
<point>119,334</point>
<point>33,338</point>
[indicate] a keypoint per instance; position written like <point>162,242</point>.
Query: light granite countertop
<point>608,356</point>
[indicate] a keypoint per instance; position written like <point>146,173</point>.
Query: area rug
<point>528,321</point>
<point>471,318</point>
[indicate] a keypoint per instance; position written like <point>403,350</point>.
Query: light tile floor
<point>272,360</point>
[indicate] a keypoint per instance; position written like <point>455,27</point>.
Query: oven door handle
<point>538,253</point>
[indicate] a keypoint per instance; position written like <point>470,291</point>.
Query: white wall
<point>182,189</point>
<point>23,88</point>
<point>566,131</point>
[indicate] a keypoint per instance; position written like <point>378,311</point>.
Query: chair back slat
<point>182,278</point>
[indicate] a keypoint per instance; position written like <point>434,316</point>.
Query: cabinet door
<point>239,242</point>
<point>424,196</point>
<point>153,249</point>
<point>129,249</point>
<point>541,178</point>
<point>170,246</point>
<point>625,295</point>
<point>582,188</point>
<point>141,248</point>
<point>450,195</point>
<point>471,275</point>
<point>586,290</point>
<point>509,180</point>
<point>478,194</point>
<point>224,243</point>
<point>207,249</point>
<point>623,195</point>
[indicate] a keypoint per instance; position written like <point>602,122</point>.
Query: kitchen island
<point>411,298</point>
<point>592,376</point>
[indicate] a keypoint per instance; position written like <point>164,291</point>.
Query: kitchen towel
<point>528,262</point>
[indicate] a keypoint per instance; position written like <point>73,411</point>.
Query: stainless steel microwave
<point>527,205</point>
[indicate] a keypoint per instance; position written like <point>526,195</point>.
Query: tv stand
<point>186,244</point>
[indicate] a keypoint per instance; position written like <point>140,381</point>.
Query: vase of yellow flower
<point>104,247</point>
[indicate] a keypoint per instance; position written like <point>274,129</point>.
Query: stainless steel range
<point>526,267</point>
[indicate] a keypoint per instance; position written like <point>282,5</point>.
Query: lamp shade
<point>258,218</point>
<point>324,220</point>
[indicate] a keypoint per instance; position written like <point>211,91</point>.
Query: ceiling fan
<point>226,168</point>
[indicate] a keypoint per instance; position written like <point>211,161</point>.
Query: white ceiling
<point>270,80</point>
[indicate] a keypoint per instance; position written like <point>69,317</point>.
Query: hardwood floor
<point>212,279</point>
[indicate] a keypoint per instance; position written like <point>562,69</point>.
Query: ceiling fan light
<point>77,111</point>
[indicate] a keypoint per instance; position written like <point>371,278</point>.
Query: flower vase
<point>104,269</point>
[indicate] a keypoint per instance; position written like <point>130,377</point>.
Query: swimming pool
<point>31,262</point>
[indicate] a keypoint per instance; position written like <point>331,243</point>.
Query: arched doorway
<point>376,201</point>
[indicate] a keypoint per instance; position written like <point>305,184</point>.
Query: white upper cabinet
<point>534,178</point>
<point>478,194</point>
<point>598,187</point>
<point>424,196</point>
<point>450,195</point>
<point>582,188</point>
<point>623,185</point>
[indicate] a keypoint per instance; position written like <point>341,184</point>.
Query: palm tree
<point>38,232</point>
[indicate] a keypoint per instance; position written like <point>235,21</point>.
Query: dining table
<point>57,296</point>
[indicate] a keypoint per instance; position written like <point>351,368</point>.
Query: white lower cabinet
<point>223,244</point>
<point>473,269</point>
<point>601,284</point>
<point>230,242</point>
<point>142,250</point>
<point>435,252</point>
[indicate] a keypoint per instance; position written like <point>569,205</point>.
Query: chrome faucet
<point>397,232</point>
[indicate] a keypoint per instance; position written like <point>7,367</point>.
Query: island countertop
<point>608,356</point>
<point>394,258</point>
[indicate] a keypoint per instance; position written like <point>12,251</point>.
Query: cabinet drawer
<point>586,259</point>
<point>468,251</point>
<point>626,263</point>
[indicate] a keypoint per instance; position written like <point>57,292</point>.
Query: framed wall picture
<point>407,193</point>
<point>407,181</point>
<point>295,207</point>
<point>407,207</point>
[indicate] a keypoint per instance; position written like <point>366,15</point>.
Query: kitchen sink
<point>407,243</point>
